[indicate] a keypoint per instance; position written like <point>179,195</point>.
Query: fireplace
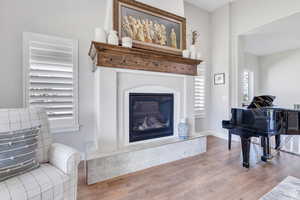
<point>150,116</point>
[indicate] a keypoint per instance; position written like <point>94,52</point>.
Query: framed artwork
<point>149,27</point>
<point>219,79</point>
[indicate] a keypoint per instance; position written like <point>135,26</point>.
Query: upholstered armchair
<point>56,178</point>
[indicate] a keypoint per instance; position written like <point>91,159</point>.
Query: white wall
<point>252,65</point>
<point>280,77</point>
<point>71,19</point>
<point>176,6</point>
<point>220,64</point>
<point>244,16</point>
<point>200,20</point>
<point>250,14</point>
<point>64,18</point>
<point>247,15</point>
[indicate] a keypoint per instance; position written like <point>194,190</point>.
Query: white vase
<point>193,48</point>
<point>186,53</point>
<point>183,129</point>
<point>100,35</point>
<point>193,51</point>
<point>193,55</point>
<point>113,38</point>
<point>127,42</point>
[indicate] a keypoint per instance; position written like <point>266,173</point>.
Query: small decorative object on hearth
<point>183,129</point>
<point>186,53</point>
<point>126,42</point>
<point>100,35</point>
<point>113,38</point>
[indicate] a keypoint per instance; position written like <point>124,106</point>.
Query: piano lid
<point>262,101</point>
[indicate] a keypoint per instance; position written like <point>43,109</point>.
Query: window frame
<point>27,37</point>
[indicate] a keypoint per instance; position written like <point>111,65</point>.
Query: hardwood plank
<point>216,174</point>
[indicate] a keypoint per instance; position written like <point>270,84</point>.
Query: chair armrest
<point>64,158</point>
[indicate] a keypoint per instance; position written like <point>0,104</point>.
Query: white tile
<point>103,168</point>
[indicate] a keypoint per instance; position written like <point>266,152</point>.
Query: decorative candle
<point>113,38</point>
<point>186,53</point>
<point>127,42</point>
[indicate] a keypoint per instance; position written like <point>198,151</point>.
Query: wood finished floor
<point>214,175</point>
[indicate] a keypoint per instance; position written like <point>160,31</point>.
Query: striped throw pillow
<point>18,152</point>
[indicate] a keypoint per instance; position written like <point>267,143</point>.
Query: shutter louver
<point>199,92</point>
<point>51,80</point>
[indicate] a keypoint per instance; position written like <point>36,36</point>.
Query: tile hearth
<point>102,166</point>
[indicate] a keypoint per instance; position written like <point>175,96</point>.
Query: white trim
<point>25,64</point>
<point>222,135</point>
<point>76,88</point>
<point>200,116</point>
<point>66,129</point>
<point>144,72</point>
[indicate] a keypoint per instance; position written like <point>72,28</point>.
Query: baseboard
<point>222,135</point>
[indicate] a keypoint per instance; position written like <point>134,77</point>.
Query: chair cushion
<point>18,152</point>
<point>24,118</point>
<point>43,183</point>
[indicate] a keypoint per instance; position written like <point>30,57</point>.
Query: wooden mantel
<point>107,55</point>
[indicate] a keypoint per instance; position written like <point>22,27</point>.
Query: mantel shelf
<point>107,55</point>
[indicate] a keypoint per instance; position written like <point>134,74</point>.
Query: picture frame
<point>150,28</point>
<point>219,79</point>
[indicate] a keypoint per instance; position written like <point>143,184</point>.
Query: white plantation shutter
<point>50,74</point>
<point>199,92</point>
<point>246,86</point>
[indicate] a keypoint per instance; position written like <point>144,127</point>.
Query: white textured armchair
<point>56,178</point>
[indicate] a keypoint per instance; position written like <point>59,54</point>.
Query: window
<point>50,66</point>
<point>246,86</point>
<point>199,92</point>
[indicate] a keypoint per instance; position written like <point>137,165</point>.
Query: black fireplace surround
<point>150,116</point>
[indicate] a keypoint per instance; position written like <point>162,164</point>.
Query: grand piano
<point>264,120</point>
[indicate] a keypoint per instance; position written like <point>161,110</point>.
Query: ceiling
<point>208,5</point>
<point>279,36</point>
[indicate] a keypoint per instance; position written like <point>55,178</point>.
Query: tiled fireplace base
<point>103,166</point>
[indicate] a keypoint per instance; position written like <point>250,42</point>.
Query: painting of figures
<point>150,29</point>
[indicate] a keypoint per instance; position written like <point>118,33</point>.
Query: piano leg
<point>229,140</point>
<point>245,141</point>
<point>277,141</point>
<point>265,142</point>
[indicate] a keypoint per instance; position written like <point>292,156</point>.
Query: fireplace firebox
<point>150,116</point>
